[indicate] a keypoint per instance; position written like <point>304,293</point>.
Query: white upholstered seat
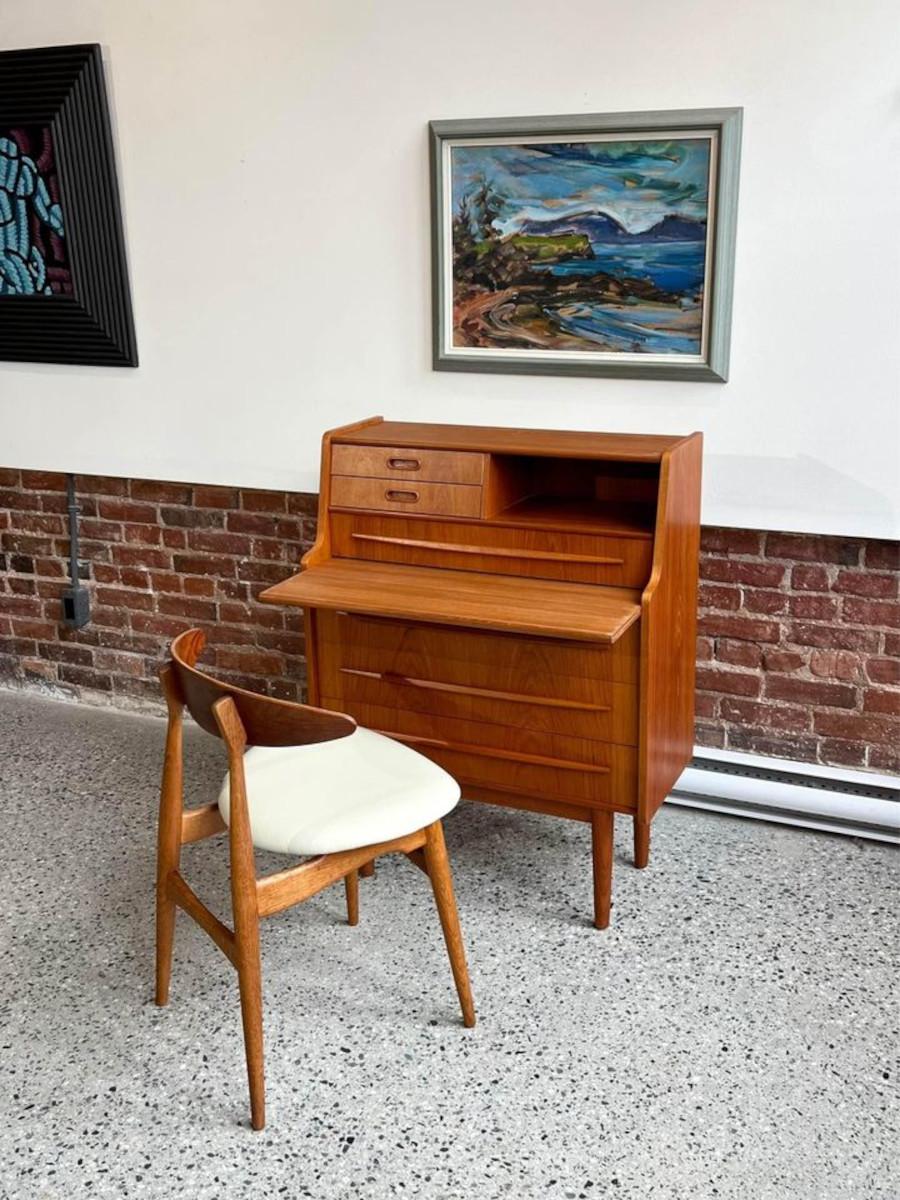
<point>338,795</point>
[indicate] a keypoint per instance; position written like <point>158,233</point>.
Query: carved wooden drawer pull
<point>401,497</point>
<point>404,464</point>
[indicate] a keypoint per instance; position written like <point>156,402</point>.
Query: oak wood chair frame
<point>242,718</point>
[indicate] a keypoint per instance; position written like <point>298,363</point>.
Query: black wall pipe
<point>76,600</point>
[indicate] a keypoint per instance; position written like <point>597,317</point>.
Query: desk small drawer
<point>406,496</point>
<point>401,462</point>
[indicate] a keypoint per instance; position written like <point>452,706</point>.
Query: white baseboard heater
<point>855,803</point>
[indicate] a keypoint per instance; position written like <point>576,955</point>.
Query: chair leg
<point>165,939</point>
<point>245,906</point>
<point>168,842</point>
<point>641,843</point>
<point>442,884</point>
<point>602,847</point>
<point>367,869</point>
<point>351,887</point>
<point>250,983</point>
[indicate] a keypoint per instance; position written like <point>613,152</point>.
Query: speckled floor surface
<point>733,1035</point>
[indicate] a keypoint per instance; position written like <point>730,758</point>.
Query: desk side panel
<point>669,629</point>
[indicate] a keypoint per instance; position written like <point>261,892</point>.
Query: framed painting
<point>64,293</point>
<point>588,245</point>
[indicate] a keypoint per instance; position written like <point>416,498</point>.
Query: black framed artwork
<point>64,291</point>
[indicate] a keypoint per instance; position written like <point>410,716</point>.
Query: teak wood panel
<point>406,495</point>
<point>515,739</point>
<point>557,443</point>
<point>538,668</point>
<point>267,720</point>
<point>669,624</point>
<point>479,546</point>
<point>462,598</point>
<point>400,462</point>
<point>613,720</point>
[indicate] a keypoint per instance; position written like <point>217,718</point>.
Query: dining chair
<point>303,782</point>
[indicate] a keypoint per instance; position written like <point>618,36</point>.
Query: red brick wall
<point>799,647</point>
<point>798,655</point>
<point>164,556</point>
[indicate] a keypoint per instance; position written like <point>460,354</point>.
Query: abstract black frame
<point>62,88</point>
<point>712,365</point>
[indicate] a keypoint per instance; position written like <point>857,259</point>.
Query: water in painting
<point>595,245</point>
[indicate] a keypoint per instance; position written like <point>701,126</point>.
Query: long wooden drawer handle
<point>490,551</point>
<point>401,497</point>
<point>539,760</point>
<point>404,464</point>
<point>462,689</point>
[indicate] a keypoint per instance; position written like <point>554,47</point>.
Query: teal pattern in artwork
<point>30,220</point>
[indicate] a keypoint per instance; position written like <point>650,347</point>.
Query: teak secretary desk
<point>519,605</point>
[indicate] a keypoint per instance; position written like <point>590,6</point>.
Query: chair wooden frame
<point>242,718</point>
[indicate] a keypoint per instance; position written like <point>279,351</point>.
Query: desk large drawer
<point>479,546</point>
<point>528,667</point>
<point>611,786</point>
<point>406,496</point>
<point>490,737</point>
<point>533,724</point>
<point>399,462</point>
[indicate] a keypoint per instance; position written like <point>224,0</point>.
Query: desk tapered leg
<point>641,843</point>
<point>602,846</point>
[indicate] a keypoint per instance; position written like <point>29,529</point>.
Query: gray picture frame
<point>727,124</point>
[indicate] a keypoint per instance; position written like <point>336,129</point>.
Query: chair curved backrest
<point>266,720</point>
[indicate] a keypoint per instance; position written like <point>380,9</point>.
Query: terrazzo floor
<point>733,1035</point>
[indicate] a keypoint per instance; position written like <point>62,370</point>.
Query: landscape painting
<point>595,251</point>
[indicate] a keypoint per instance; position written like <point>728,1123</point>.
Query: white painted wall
<point>273,163</point>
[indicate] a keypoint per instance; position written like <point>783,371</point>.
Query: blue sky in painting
<point>637,182</point>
